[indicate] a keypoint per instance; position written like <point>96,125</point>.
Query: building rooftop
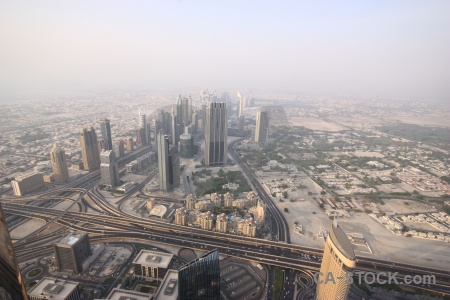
<point>71,238</point>
<point>26,175</point>
<point>341,241</point>
<point>168,290</point>
<point>119,294</point>
<point>52,288</point>
<point>153,259</point>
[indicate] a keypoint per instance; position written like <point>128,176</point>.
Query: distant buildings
<point>55,289</point>
<point>200,279</point>
<point>105,128</point>
<point>168,164</point>
<point>119,148</point>
<point>186,145</point>
<point>27,182</point>
<point>180,216</point>
<point>221,223</point>
<point>59,164</point>
<point>71,252</point>
<point>143,128</point>
<point>216,132</point>
<point>262,127</point>
<point>89,149</point>
<point>11,283</point>
<point>109,169</point>
<point>338,259</point>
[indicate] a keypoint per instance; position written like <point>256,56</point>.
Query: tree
<point>221,173</point>
<point>285,195</point>
<point>286,209</point>
<point>323,193</point>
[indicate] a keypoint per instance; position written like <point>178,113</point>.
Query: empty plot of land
<point>26,228</point>
<point>401,206</point>
<point>317,124</point>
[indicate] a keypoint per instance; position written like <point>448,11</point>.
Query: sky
<point>385,48</point>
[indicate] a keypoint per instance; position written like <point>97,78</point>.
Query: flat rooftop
<point>119,294</point>
<point>52,288</point>
<point>153,259</point>
<point>169,287</point>
<point>71,238</point>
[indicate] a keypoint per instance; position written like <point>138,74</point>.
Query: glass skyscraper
<point>200,279</point>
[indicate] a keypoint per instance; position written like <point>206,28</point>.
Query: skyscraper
<point>143,126</point>
<point>168,164</point>
<point>216,132</point>
<point>338,260</point>
<point>11,282</point>
<point>200,279</point>
<point>109,168</point>
<point>71,252</point>
<point>59,164</point>
<point>105,128</point>
<point>89,149</point>
<point>262,127</point>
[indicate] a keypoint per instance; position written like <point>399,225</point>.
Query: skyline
<point>391,49</point>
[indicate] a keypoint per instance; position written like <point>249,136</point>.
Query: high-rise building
<point>338,259</point>
<point>130,143</point>
<point>186,145</point>
<point>168,164</point>
<point>71,252</point>
<point>108,168</point>
<point>89,149</point>
<point>27,182</point>
<point>105,128</point>
<point>262,127</point>
<point>143,126</point>
<point>205,220</point>
<point>11,281</point>
<point>119,148</point>
<point>59,164</point>
<point>216,133</point>
<point>200,279</point>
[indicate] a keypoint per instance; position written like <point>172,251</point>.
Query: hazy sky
<point>397,48</point>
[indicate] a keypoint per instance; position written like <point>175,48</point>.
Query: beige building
<point>205,220</point>
<point>249,227</point>
<point>216,199</point>
<point>59,164</point>
<point>27,182</point>
<point>55,289</point>
<point>152,264</point>
<point>228,200</point>
<point>252,199</point>
<point>190,202</point>
<point>180,216</point>
<point>130,143</point>
<point>338,259</point>
<point>221,223</point>
<point>258,211</point>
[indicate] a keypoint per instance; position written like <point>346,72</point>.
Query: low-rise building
<point>55,289</point>
<point>27,182</point>
<point>152,264</point>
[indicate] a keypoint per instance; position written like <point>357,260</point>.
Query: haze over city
<point>376,48</point>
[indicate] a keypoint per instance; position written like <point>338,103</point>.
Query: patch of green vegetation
<point>34,272</point>
<point>278,284</point>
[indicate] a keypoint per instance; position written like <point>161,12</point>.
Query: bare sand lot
<point>439,120</point>
<point>402,206</point>
<point>26,228</point>
<point>316,124</point>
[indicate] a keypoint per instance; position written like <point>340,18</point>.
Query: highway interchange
<point>110,223</point>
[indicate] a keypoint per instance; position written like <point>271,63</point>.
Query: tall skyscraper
<point>143,126</point>
<point>216,133</point>
<point>105,128</point>
<point>59,164</point>
<point>71,252</point>
<point>168,164</point>
<point>11,281</point>
<point>108,168</point>
<point>89,149</point>
<point>338,259</point>
<point>262,127</point>
<point>200,279</point>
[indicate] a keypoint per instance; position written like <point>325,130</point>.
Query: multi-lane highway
<point>110,223</point>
